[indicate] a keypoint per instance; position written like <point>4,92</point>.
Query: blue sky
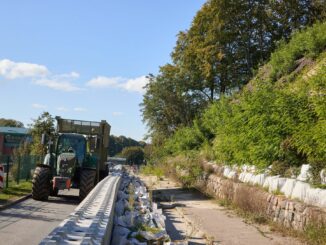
<point>85,59</point>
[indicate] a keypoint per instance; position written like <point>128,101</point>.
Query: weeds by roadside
<point>15,190</point>
<point>150,169</point>
<point>314,235</point>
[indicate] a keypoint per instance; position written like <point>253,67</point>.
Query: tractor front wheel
<point>87,182</point>
<point>41,183</point>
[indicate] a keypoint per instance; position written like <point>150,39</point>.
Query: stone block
<point>287,223</point>
<point>275,201</point>
<point>299,207</point>
<point>282,204</point>
<point>291,206</point>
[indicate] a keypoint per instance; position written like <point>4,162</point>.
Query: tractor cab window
<point>77,145</point>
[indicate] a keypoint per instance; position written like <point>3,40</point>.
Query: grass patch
<point>15,190</point>
<point>278,192</point>
<point>316,235</point>
<point>224,202</point>
<point>321,186</point>
<point>251,217</point>
<point>150,169</point>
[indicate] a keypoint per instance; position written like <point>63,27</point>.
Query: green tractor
<point>76,158</point>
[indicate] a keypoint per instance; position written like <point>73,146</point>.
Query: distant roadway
<point>28,222</point>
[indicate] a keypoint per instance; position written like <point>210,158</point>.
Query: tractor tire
<point>41,184</point>
<point>87,182</point>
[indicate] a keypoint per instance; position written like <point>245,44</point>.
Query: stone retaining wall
<point>284,211</point>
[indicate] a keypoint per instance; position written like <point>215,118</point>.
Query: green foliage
<point>116,144</point>
<point>167,104</point>
<point>186,167</point>
<point>133,154</point>
<point>15,190</point>
<point>150,169</point>
<point>44,124</point>
<point>316,234</point>
<point>307,43</point>
<point>278,117</point>
<point>10,123</point>
<point>185,139</point>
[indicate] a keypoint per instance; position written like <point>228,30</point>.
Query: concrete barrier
<point>92,220</point>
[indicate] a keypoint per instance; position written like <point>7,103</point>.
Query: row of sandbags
<point>290,187</point>
<point>137,219</point>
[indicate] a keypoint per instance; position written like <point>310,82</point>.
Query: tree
<point>11,123</point>
<point>133,154</point>
<point>225,43</point>
<point>167,103</point>
<point>44,124</point>
<point>116,144</point>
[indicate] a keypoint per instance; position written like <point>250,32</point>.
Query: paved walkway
<point>196,216</point>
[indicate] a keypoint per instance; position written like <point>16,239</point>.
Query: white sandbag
<point>247,177</point>
<point>259,179</point>
<point>288,187</point>
<point>304,173</point>
<point>322,201</point>
<point>252,169</point>
<point>313,196</point>
<point>226,171</point>
<point>299,190</point>
<point>267,181</point>
<point>323,176</point>
<point>245,168</point>
<point>241,176</point>
<point>276,183</point>
<point>232,174</point>
<point>252,179</point>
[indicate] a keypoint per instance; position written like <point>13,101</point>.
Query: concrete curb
<point>11,203</point>
<point>190,222</point>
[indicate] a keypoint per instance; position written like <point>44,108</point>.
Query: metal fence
<point>19,168</point>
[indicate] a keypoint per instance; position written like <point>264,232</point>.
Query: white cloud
<point>136,84</point>
<point>14,70</point>
<point>101,81</point>
<point>58,83</point>
<point>39,106</point>
<point>62,108</point>
<point>71,75</point>
<point>117,113</point>
<point>131,85</point>
<point>80,109</point>
<point>39,74</point>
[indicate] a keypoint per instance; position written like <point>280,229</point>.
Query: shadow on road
<point>178,194</point>
<point>177,228</point>
<point>51,210</point>
<point>64,198</point>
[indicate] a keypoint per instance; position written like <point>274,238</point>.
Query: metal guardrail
<point>92,220</point>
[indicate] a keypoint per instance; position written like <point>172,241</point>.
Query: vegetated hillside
<point>278,118</point>
<point>118,143</point>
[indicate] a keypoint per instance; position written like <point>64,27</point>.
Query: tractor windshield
<point>73,143</point>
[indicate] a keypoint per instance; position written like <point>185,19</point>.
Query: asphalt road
<point>28,222</point>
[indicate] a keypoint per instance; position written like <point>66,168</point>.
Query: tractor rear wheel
<point>41,183</point>
<point>87,182</point>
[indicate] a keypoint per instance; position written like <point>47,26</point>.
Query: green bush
<point>306,43</point>
<point>273,120</point>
